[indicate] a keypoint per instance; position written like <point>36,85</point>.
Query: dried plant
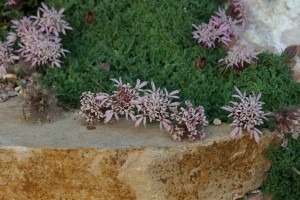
<point>188,121</point>
<point>247,114</point>
<point>156,105</point>
<point>39,104</point>
<point>240,56</point>
<point>287,122</point>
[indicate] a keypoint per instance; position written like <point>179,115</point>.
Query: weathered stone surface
<point>275,25</point>
<point>123,163</point>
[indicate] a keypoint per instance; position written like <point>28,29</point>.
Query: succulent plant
<point>240,56</point>
<point>220,29</point>
<point>287,122</point>
<point>12,2</point>
<point>120,103</point>
<point>6,55</point>
<point>156,105</point>
<point>51,21</point>
<point>240,12</point>
<point>247,114</point>
<point>92,109</point>
<point>39,41</point>
<point>188,121</point>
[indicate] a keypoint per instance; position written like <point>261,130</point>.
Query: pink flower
<point>6,55</point>
<point>92,108</point>
<point>51,21</point>
<point>41,52</point>
<point>155,105</point>
<point>240,56</point>
<point>287,122</point>
<point>189,120</point>
<point>120,103</point>
<point>247,114</point>
<point>240,12</point>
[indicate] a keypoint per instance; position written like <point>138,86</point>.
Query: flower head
<point>156,105</point>
<point>92,109</point>
<point>12,2</point>
<point>208,35</point>
<point>240,56</point>
<point>188,120</point>
<point>6,55</point>
<point>42,51</point>
<point>247,114</point>
<point>287,122</point>
<point>240,12</point>
<point>51,20</point>
<point>39,40</point>
<point>120,103</point>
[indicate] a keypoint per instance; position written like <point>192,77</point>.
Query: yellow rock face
<point>223,169</point>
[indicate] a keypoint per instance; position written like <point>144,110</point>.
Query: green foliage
<point>152,40</point>
<point>283,181</point>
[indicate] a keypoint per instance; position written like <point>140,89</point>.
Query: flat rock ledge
<point>217,168</point>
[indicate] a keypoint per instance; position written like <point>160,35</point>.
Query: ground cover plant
<point>283,179</point>
<point>152,40</point>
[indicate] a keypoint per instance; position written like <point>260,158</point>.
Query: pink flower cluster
<point>143,105</point>
<point>189,121</point>
<point>287,122</point>
<point>220,29</point>
<point>6,55</point>
<point>240,12</point>
<point>12,2</point>
<point>239,56</point>
<point>247,114</point>
<point>38,37</point>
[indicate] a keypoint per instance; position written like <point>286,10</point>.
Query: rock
<point>9,77</point>
<point>296,76</point>
<point>23,81</point>
<point>275,24</point>
<point>217,122</point>
<point>3,97</point>
<point>291,51</point>
<point>12,93</point>
<point>118,161</point>
<point>223,170</point>
<point>8,87</point>
<point>18,88</point>
<point>291,63</point>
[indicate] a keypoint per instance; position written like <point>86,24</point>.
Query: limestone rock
<point>64,160</point>
<point>275,23</point>
<point>217,122</point>
<point>296,76</point>
<point>221,170</point>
